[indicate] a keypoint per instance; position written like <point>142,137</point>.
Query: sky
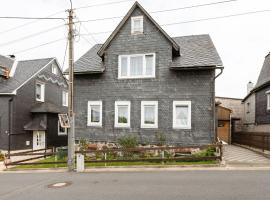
<point>242,42</point>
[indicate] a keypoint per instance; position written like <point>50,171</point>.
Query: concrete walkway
<point>234,155</point>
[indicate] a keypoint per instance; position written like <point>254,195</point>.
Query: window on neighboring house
<point>122,114</point>
<point>137,25</point>
<point>182,114</point>
<point>65,98</point>
<point>54,69</point>
<point>94,113</point>
<point>248,107</point>
<point>61,130</point>
<point>149,114</point>
<point>268,99</point>
<point>40,92</point>
<point>136,66</point>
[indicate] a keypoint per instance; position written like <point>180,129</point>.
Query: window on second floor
<point>137,25</point>
<point>65,98</point>
<point>268,99</point>
<point>248,107</point>
<point>136,66</point>
<point>54,69</point>
<point>40,92</point>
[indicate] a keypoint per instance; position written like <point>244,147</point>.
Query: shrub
<point>210,151</point>
<point>161,139</point>
<point>83,144</point>
<point>128,141</point>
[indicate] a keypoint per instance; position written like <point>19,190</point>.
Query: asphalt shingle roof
<point>196,51</point>
<point>264,76</point>
<point>25,69</point>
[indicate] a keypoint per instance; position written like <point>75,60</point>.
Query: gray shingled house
<point>257,102</point>
<point>32,93</point>
<point>142,82</point>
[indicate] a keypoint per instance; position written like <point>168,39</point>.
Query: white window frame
<point>149,103</point>
<point>54,69</point>
<point>94,103</point>
<point>59,132</point>
<point>181,103</point>
<point>65,95</point>
<point>268,99</point>
<point>42,92</point>
<point>128,76</point>
<point>116,123</point>
<point>132,25</point>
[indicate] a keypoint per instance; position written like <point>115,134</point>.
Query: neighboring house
<point>31,96</point>
<point>237,114</point>
<point>141,82</point>
<point>257,102</point>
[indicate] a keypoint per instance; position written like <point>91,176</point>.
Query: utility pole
<point>71,133</point>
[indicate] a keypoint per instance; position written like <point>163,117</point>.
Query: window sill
<point>182,127</point>
<point>137,77</point>
<point>94,125</point>
<point>149,127</point>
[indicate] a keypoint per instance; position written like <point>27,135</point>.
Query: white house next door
<point>39,140</point>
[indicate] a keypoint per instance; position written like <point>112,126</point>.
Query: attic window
<point>137,25</point>
<point>54,69</point>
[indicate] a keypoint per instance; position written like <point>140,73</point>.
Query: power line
<point>198,20</point>
<point>167,10</point>
<point>39,18</point>
<point>30,36</point>
<point>34,47</point>
<point>102,4</point>
<point>28,23</point>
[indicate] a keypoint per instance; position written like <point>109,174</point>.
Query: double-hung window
<point>182,114</point>
<point>136,66</point>
<point>149,114</point>
<point>268,99</point>
<point>137,25</point>
<point>40,92</point>
<point>65,98</point>
<point>122,114</point>
<point>94,113</point>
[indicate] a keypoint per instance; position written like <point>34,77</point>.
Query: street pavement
<point>156,185</point>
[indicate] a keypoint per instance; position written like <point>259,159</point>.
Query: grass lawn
<point>111,164</point>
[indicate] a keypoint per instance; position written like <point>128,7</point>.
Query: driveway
<point>184,185</point>
<point>234,155</point>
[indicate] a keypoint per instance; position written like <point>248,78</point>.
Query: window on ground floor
<point>149,114</point>
<point>122,114</point>
<point>94,113</point>
<point>182,114</point>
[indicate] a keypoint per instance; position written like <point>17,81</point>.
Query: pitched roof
<point>6,62</point>
<point>264,76</point>
<point>121,24</point>
<point>25,70</point>
<point>89,62</point>
<point>196,51</point>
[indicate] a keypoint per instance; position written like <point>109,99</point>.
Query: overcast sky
<point>242,42</point>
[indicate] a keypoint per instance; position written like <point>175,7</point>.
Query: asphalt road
<point>181,185</point>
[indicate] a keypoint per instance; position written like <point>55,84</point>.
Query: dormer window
<point>137,25</point>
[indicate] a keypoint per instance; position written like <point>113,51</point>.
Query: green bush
<point>128,141</point>
<point>83,144</point>
<point>1,156</point>
<point>62,153</point>
<point>210,151</point>
<point>161,139</point>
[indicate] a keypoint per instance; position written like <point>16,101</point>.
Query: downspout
<point>214,103</point>
<point>10,105</point>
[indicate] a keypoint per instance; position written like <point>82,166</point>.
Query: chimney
<point>250,86</point>
<point>12,56</point>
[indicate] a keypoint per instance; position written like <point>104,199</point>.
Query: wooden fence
<point>125,155</point>
<point>256,140</point>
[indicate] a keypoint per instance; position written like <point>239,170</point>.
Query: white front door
<point>38,140</point>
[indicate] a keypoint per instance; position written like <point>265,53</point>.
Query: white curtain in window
<point>95,113</point>
<point>182,115</point>
<point>149,114</point>
<point>124,63</point>
<point>149,61</point>
<point>136,65</point>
